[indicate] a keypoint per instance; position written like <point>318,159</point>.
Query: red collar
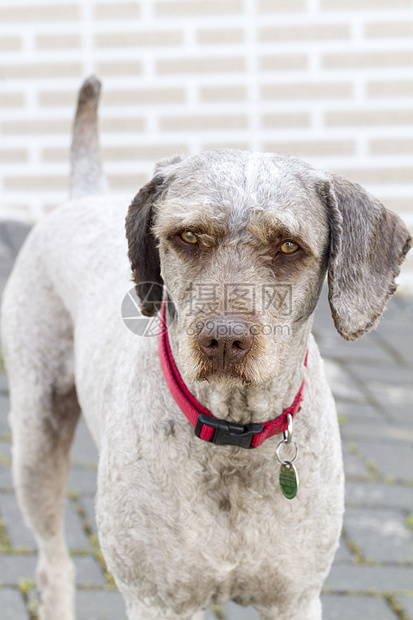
<point>208,427</point>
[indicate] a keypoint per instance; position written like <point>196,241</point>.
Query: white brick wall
<point>330,81</point>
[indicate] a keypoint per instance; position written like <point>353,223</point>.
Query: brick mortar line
<point>364,389</point>
<point>357,555</point>
<point>359,559</point>
<point>379,479</point>
<point>92,537</point>
<point>393,605</point>
<point>24,588</point>
<point>392,351</point>
<point>30,604</point>
<point>219,612</point>
<point>5,540</point>
<point>366,594</point>
<point>375,475</point>
<point>369,464</point>
<point>396,608</point>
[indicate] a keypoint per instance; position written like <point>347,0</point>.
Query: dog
<point>220,471</point>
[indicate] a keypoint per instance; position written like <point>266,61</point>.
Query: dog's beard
<point>197,367</point>
<point>212,371</point>
<point>258,368</point>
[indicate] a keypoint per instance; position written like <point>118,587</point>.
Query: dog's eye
<point>289,247</point>
<point>189,237</point>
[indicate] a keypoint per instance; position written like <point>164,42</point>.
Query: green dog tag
<point>288,480</point>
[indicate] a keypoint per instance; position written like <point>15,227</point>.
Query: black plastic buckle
<point>229,433</point>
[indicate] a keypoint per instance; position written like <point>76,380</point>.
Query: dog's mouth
<point>213,374</point>
<point>215,371</point>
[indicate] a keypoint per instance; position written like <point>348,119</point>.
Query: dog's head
<point>242,242</point>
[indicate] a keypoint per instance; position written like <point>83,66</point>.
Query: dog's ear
<point>143,248</point>
<point>367,246</point>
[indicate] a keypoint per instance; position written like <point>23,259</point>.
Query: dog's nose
<point>226,341</point>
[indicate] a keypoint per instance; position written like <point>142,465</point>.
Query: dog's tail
<point>87,177</point>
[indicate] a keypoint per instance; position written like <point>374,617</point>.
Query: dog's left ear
<point>143,248</point>
<point>367,246</point>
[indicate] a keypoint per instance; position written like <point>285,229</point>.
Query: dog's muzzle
<point>224,345</point>
<point>207,426</point>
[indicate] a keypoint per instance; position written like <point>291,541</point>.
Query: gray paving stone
<point>5,449</point>
<point>378,433</point>
<point>12,605</point>
<point>4,412</point>
<point>343,553</point>
<point>88,571</point>
<point>367,350</point>
<point>6,481</point>
<point>395,329</point>
<point>382,376</point>
<point>5,254</point>
<point>355,608</point>
<point>358,414</point>
<point>364,579</point>
<point>4,385</point>
<point>382,535</point>
<point>399,338</point>
<point>83,450</point>
<point>99,605</point>
<point>82,480</point>
<point>13,568</point>
<point>13,234</point>
<point>391,387</point>
<point>341,384</point>
<point>75,536</point>
<point>21,536</point>
<point>88,505</point>
<point>400,414</point>
<point>378,495</point>
<point>353,465</point>
<point>391,461</point>
<point>406,603</point>
<point>5,466</point>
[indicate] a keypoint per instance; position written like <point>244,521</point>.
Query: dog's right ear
<point>143,248</point>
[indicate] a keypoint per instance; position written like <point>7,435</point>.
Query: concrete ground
<point>372,576</point>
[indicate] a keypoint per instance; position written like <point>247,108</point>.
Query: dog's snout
<point>226,341</point>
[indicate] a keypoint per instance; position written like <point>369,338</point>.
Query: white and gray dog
<point>241,242</point>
